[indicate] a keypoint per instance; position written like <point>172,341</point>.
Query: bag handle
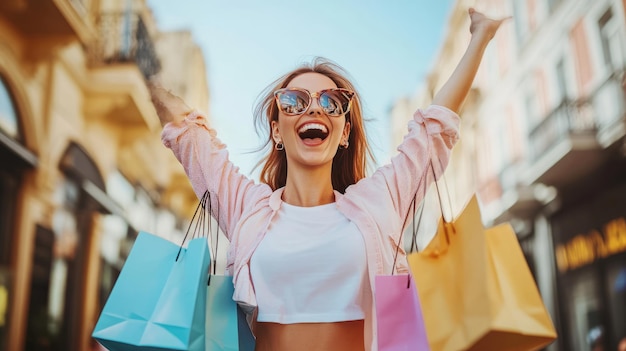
<point>413,242</point>
<point>446,224</point>
<point>406,218</point>
<point>201,229</point>
<point>207,214</point>
<point>214,249</point>
<point>197,222</point>
<point>413,204</point>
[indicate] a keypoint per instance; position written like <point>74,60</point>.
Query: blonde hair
<point>349,165</point>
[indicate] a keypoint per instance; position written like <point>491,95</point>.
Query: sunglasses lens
<point>293,102</point>
<point>335,102</point>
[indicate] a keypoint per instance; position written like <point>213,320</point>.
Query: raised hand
<point>169,107</point>
<point>483,25</point>
<point>456,88</point>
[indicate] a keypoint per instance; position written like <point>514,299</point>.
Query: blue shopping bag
<point>158,301</point>
<point>226,327</point>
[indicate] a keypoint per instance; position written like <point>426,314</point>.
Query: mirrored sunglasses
<point>296,101</point>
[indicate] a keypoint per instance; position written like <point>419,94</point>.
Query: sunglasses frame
<point>350,94</point>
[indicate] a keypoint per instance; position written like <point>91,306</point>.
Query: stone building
<point>82,168</point>
<point>543,145</point>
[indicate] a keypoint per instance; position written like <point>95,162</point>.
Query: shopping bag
<point>399,320</point>
<point>476,289</point>
<point>158,301</point>
<point>400,324</point>
<point>226,327</point>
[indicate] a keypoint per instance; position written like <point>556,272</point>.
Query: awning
<point>18,151</point>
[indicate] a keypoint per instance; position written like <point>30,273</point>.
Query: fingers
<point>472,11</point>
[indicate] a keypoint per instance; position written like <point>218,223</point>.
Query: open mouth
<point>313,131</point>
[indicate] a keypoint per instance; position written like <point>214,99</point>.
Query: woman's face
<point>312,138</point>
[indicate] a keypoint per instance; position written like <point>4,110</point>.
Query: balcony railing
<point>565,120</point>
<point>608,103</point>
<point>124,38</point>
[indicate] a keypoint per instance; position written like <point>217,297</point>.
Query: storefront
<point>590,252</point>
<point>64,251</point>
<point>15,160</point>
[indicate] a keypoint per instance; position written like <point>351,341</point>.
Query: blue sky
<point>387,46</point>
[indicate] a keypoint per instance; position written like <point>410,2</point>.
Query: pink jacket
<point>377,204</point>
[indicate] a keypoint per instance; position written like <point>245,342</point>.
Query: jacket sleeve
<point>206,162</point>
<point>432,134</point>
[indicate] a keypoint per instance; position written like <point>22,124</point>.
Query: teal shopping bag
<point>226,326</point>
<point>158,301</point>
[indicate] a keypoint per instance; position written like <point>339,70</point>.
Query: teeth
<point>310,126</point>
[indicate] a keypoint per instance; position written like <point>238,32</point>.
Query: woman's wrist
<point>482,35</point>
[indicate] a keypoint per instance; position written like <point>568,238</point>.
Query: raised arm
<point>204,158</point>
<point>455,90</point>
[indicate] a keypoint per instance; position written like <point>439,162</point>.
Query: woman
<point>307,242</point>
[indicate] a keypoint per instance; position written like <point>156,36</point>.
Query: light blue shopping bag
<point>159,299</point>
<point>226,327</point>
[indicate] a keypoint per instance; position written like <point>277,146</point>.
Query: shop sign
<point>584,249</point>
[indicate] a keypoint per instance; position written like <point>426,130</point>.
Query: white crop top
<point>310,267</point>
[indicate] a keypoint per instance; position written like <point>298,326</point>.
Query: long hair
<point>349,165</point>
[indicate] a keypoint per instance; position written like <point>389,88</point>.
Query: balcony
<point>571,141</point>
<point>121,59</point>
<point>609,105</point>
<point>53,18</point>
<point>123,38</point>
<point>563,146</point>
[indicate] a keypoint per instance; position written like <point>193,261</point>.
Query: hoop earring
<point>279,146</point>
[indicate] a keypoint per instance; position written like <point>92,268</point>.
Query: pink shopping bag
<point>400,323</point>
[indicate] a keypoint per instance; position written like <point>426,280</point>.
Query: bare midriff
<point>336,336</point>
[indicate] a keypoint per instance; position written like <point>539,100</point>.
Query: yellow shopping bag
<point>476,289</point>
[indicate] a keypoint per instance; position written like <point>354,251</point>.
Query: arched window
<point>10,181</point>
<point>54,295</point>
<point>8,115</point>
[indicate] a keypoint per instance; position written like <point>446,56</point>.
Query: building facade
<point>543,145</point>
<point>82,168</point>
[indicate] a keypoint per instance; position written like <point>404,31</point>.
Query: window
<point>43,331</point>
<point>114,242</point>
<point>8,116</point>
<point>10,181</point>
<point>603,24</point>
<point>612,40</point>
<point>561,81</point>
<point>532,108</point>
<point>56,265</point>
<point>8,196</point>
